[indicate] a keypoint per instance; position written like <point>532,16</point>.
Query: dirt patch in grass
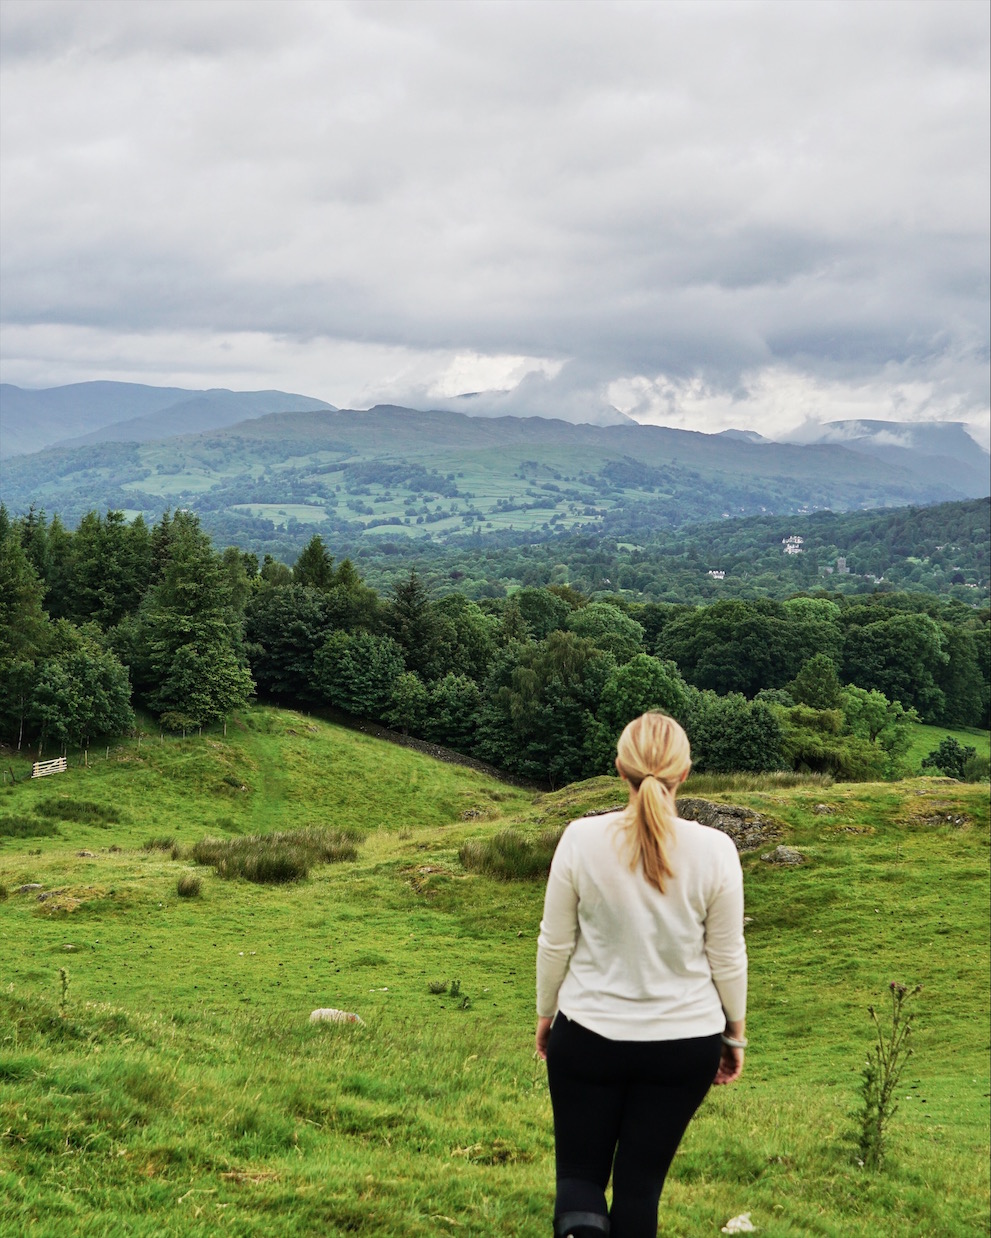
<point>940,815</point>
<point>67,899</point>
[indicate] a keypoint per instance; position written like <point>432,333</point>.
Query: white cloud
<point>334,370</point>
<point>781,402</point>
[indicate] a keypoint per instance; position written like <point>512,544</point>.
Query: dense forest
<point>944,550</point>
<point>116,614</point>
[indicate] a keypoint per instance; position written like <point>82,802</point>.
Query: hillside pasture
<point>161,1076</point>
<point>926,739</point>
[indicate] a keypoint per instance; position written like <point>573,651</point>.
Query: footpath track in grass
<point>175,1085</point>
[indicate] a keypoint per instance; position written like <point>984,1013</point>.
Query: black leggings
<point>621,1105</point>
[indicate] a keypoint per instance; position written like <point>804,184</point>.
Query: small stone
<point>788,856</point>
<point>739,1225</point>
<point>823,810</point>
<point>327,1014</point>
<point>30,887</point>
<point>86,854</point>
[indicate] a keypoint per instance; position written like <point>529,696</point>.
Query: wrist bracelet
<point>732,1043</point>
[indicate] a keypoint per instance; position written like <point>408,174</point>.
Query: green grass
<point>18,825</point>
<point>179,1088</point>
<point>927,738</point>
<point>281,513</point>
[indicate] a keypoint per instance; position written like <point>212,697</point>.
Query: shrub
<point>976,769</point>
<point>189,886</point>
<point>950,758</point>
<point>83,811</point>
<point>814,741</point>
<point>20,826</point>
<point>3,892</point>
<point>278,858</point>
<point>511,856</point>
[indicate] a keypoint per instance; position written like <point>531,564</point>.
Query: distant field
<point>280,514</point>
<point>927,738</point>
<point>174,1084</point>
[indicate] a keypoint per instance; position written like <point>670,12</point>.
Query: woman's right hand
<point>730,1066</point>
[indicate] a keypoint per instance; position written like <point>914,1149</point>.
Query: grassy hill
<point>170,1082</point>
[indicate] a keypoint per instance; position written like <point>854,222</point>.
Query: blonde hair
<point>654,756</point>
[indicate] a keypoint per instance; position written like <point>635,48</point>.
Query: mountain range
<point>257,464</point>
<point>127,412</point>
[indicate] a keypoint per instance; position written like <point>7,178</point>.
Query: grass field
<point>926,739</point>
<point>169,1082</point>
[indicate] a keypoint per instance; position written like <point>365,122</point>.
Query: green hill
<point>168,1081</point>
<point>441,476</point>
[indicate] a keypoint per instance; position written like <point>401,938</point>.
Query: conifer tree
<point>412,626</point>
<point>189,641</point>
<point>314,567</point>
<point>23,629</point>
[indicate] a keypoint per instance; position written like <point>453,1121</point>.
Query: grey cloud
<point>641,189</point>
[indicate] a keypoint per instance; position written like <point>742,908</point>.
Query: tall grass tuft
<point>19,826</point>
<point>276,859</point>
<point>160,844</point>
<point>511,856</point>
<point>698,784</point>
<point>83,811</point>
<point>189,886</point>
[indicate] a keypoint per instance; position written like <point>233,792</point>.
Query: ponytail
<point>654,756</point>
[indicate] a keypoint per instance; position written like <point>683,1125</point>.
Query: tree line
<point>118,614</point>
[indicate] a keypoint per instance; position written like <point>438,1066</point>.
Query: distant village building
<point>717,575</point>
<point>841,567</point>
<point>792,545</point>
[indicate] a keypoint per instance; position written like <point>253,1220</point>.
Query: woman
<point>641,987</point>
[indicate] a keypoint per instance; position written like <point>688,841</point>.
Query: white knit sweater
<point>624,960</point>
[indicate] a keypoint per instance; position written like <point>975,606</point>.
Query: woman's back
<point>643,963</point>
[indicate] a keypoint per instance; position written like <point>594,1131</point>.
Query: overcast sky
<point>706,214</point>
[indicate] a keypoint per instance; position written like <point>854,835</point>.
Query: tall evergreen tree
<point>191,663</point>
<point>59,584</point>
<point>412,625</point>
<point>23,630</point>
<point>112,565</point>
<point>314,567</point>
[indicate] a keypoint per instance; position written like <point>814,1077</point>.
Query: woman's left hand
<point>730,1065</point>
<point>543,1036</point>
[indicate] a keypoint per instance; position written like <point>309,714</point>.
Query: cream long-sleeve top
<point>628,962</point>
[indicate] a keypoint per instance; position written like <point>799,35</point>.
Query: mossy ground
<point>177,1087</point>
